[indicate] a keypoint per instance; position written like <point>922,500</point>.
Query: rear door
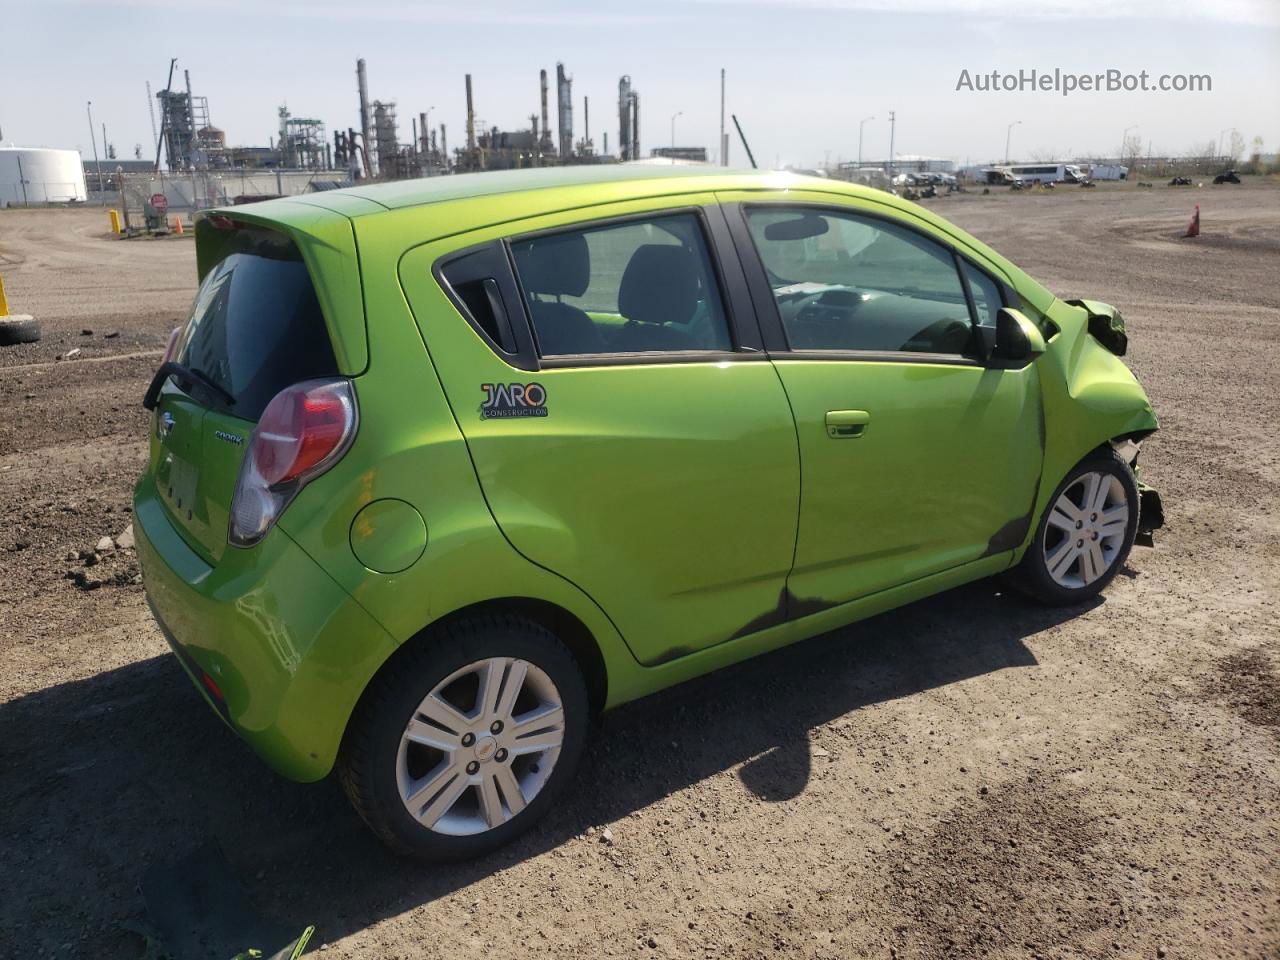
<point>916,457</point>
<point>627,429</point>
<point>255,328</point>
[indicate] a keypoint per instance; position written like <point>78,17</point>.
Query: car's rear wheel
<point>1085,534</point>
<point>465,741</point>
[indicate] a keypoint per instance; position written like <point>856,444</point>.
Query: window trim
<point>728,275</point>
<point>778,345</point>
<point>525,356</point>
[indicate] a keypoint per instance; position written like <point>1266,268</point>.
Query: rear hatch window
<point>255,328</point>
<point>256,325</point>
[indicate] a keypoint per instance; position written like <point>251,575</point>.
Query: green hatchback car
<point>440,469</point>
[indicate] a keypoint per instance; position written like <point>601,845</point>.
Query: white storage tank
<point>30,175</point>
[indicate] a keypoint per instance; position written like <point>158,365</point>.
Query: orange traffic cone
<point>180,230</point>
<point>1193,228</point>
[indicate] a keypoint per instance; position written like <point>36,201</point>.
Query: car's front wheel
<point>464,742</point>
<point>1085,534</point>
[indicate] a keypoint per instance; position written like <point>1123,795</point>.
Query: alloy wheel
<point>1086,530</point>
<point>480,746</point>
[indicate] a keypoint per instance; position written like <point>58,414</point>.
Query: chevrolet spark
<point>440,469</point>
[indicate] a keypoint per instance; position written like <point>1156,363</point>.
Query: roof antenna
<point>741,136</point>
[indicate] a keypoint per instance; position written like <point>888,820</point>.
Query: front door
<point>646,451</point>
<point>915,458</point>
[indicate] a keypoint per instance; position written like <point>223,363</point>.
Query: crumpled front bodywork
<point>1090,398</point>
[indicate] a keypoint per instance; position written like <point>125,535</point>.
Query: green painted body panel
<point>195,469</point>
<point>660,505</point>
<point>949,457</point>
<point>289,649</point>
<point>632,465</point>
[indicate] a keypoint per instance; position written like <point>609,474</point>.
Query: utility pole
<point>1007,134</point>
<point>88,106</point>
<point>892,120</point>
<point>151,112</point>
<point>861,124</point>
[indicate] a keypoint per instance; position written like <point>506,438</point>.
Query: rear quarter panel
<point>409,448</point>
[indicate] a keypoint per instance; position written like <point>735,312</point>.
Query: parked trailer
<point>1108,171</point>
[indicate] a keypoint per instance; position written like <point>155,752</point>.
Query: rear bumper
<point>289,650</point>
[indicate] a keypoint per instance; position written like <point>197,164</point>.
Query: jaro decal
<point>507,400</point>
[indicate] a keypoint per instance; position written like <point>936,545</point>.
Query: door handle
<point>847,424</point>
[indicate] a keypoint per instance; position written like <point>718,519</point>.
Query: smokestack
<point>422,128</point>
<point>546,122</point>
<point>362,81</point>
<point>471,118</point>
<point>635,125</point>
<point>564,97</point>
<point>444,148</point>
<point>586,125</point>
<point>624,117</point>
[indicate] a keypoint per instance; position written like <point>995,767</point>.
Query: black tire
<point>369,762</point>
<point>18,329</point>
<point>1032,576</point>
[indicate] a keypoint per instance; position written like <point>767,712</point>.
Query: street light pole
<point>88,106</point>
<point>861,123</point>
<point>678,113</point>
<point>1008,133</point>
<point>892,121</point>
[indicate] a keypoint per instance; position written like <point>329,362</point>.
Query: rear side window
<point>256,325</point>
<point>638,286</point>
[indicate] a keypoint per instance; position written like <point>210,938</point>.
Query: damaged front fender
<point>1090,397</point>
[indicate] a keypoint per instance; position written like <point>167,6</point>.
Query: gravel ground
<point>971,776</point>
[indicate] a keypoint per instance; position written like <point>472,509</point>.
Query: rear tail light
<point>305,430</point>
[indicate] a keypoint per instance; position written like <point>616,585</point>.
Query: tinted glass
<point>256,325</point>
<point>634,287</point>
<point>844,282</point>
<point>986,294</point>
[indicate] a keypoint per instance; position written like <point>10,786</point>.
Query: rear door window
<point>256,326</point>
<point>635,286</point>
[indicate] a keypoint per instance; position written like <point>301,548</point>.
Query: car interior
<point>663,299</point>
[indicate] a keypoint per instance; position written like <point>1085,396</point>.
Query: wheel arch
<point>564,624</point>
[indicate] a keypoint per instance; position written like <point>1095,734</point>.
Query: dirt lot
<point>971,776</point>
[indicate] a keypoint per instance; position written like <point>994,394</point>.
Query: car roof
<point>398,194</point>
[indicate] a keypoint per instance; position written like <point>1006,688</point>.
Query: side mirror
<point>1015,341</point>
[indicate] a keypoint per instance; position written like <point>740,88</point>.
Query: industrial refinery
<point>191,163</point>
<point>379,147</point>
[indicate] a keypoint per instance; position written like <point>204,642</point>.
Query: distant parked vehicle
<point>1229,176</point>
<point>1108,171</point>
<point>1048,172</point>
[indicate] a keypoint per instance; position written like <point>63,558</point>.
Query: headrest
<point>660,285</point>
<point>557,265</point>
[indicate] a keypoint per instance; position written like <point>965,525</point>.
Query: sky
<point>801,74</point>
